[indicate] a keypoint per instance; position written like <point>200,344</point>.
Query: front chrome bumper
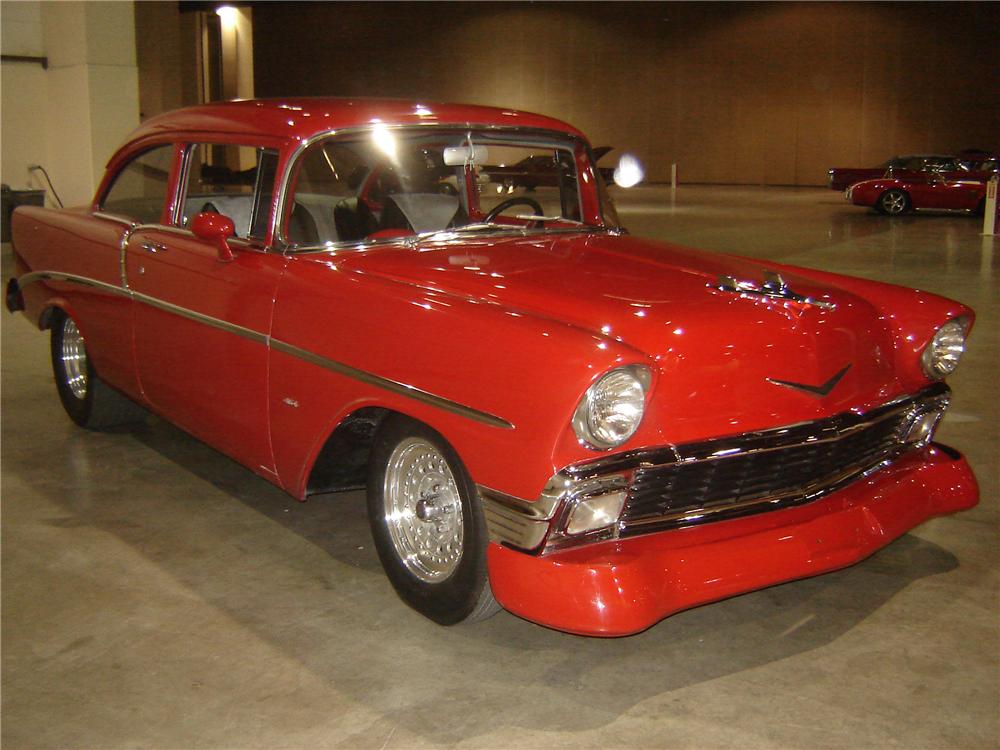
<point>677,486</point>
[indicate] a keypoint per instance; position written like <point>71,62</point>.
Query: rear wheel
<point>88,400</point>
<point>427,524</point>
<point>893,203</point>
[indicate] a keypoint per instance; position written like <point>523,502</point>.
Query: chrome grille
<point>728,477</point>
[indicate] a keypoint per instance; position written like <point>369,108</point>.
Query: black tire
<point>980,209</point>
<point>893,203</point>
<point>88,400</point>
<point>449,589</point>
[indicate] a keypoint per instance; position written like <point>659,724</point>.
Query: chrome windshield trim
<point>354,373</point>
<point>443,235</point>
<point>277,235</point>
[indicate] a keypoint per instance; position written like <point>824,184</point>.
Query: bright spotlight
<point>629,171</point>
<point>227,13</point>
<point>385,141</point>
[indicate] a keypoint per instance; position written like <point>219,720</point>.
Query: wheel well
<point>342,463</point>
<point>48,315</point>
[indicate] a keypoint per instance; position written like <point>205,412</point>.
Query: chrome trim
<point>539,526</point>
<point>522,523</point>
<point>34,276</point>
<point>208,320</point>
<point>363,376</point>
<point>114,218</point>
<point>773,287</point>
<point>391,385</point>
<point>122,248</point>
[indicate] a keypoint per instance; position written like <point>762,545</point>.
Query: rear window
<point>139,190</point>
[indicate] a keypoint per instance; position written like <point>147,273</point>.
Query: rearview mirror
<point>216,228</point>
<point>459,156</point>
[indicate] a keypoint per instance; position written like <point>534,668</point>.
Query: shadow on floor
<point>444,684</point>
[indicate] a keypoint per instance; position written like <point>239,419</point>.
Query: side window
<point>139,190</point>
<point>235,181</point>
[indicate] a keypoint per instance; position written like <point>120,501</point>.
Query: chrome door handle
<point>153,247</point>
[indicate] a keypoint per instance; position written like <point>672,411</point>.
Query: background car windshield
<point>393,183</point>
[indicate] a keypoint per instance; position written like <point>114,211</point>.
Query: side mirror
<point>213,227</point>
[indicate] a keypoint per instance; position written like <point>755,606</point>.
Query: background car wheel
<point>428,525</point>
<point>893,203</point>
<point>88,400</point>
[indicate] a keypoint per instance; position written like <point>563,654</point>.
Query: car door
<point>201,323</point>
<point>135,192</point>
<point>942,191</point>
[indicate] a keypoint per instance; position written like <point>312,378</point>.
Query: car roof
<point>301,118</point>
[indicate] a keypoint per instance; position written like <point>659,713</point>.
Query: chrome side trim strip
<point>222,325</point>
<point>34,276</point>
<point>391,385</point>
<point>363,376</point>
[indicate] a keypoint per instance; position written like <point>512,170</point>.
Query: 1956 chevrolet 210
<point>588,429</point>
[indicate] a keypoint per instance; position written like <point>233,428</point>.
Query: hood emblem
<point>813,390</point>
<point>773,287</point>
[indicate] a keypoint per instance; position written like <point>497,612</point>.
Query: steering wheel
<point>499,208</point>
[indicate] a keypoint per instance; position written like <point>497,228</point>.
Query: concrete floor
<point>157,595</point>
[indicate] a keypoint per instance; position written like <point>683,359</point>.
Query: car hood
<point>718,349</point>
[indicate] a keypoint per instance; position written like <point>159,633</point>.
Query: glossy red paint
<point>216,229</point>
<point>961,167</point>
<point>623,587</point>
<point>265,353</point>
<point>923,191</point>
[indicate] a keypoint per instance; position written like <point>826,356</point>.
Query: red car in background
<point>897,194</point>
<point>840,178</point>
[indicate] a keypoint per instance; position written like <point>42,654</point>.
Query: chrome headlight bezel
<point>943,352</point>
<point>632,385</point>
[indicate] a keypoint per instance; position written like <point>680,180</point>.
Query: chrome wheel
<point>893,202</point>
<point>73,357</point>
<point>423,510</point>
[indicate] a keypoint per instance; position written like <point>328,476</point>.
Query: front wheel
<point>893,203</point>
<point>427,524</point>
<point>87,399</point>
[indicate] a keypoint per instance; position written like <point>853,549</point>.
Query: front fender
<point>499,385</point>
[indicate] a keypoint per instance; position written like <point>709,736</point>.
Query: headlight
<point>612,408</point>
<point>941,356</point>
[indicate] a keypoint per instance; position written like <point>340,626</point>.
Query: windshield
<point>390,183</point>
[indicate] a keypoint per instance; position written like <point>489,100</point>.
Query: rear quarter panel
<point>72,241</point>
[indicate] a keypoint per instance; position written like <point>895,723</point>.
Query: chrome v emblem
<point>813,390</point>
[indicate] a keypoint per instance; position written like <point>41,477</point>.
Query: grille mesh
<point>802,466</point>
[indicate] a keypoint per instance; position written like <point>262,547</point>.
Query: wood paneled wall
<point>753,93</point>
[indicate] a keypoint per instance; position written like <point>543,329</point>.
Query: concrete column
<point>69,117</point>
<point>93,93</point>
<point>23,88</point>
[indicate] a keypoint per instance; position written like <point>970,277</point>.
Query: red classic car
<point>969,165</point>
<point>895,195</point>
<point>591,430</point>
